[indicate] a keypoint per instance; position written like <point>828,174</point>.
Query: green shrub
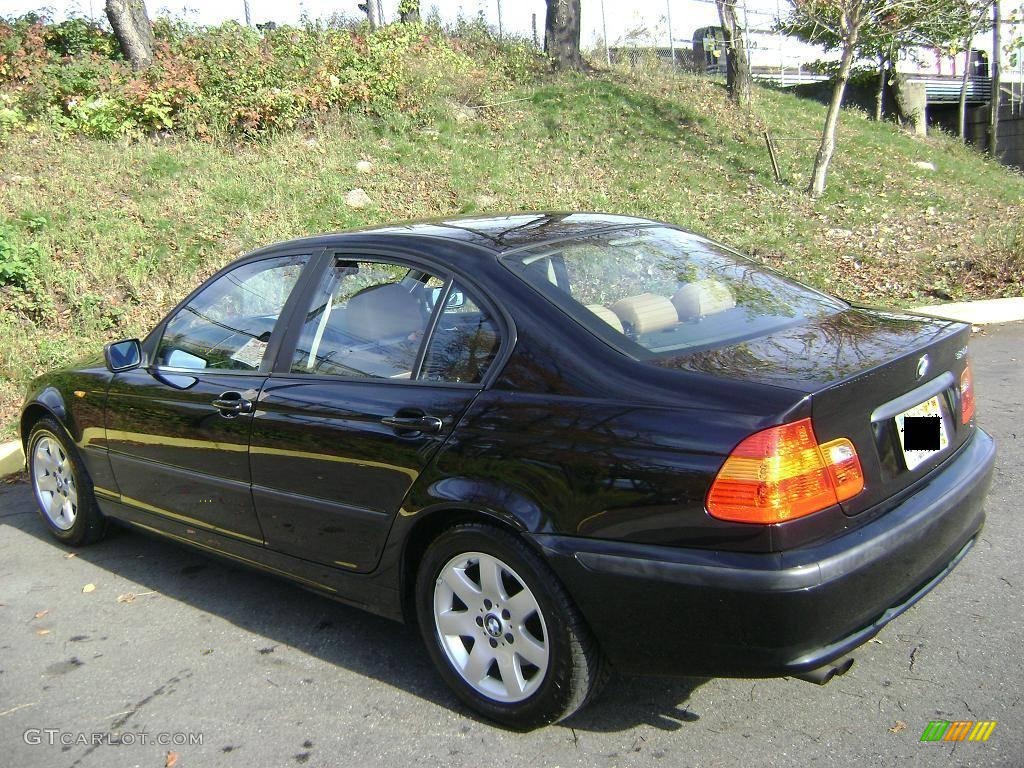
<point>231,79</point>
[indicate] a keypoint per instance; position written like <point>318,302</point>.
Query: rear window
<point>654,292</point>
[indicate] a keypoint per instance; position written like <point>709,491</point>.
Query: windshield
<point>655,291</point>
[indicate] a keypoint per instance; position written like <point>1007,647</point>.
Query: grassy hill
<point>102,236</point>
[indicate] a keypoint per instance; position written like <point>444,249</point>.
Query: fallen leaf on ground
<point>89,588</point>
<point>69,555</point>
<point>40,614</point>
<point>42,632</point>
<point>172,760</point>
<point>128,597</point>
<point>898,726</point>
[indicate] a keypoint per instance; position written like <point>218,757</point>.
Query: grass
<point>117,232</point>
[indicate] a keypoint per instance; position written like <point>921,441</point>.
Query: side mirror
<point>123,355</point>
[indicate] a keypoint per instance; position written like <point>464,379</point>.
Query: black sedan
<point>561,443</point>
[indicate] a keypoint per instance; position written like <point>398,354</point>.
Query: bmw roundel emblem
<point>922,366</point>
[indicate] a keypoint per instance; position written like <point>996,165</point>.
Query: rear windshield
<point>655,291</point>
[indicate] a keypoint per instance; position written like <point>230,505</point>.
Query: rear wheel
<point>62,486</point>
<point>503,632</point>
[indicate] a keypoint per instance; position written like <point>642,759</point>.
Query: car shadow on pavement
<point>287,615</point>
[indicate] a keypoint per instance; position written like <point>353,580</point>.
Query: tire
<point>62,487</point>
<point>489,609</point>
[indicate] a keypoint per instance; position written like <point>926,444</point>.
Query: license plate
<point>925,435</point>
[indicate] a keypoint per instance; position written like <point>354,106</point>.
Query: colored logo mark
<point>958,730</point>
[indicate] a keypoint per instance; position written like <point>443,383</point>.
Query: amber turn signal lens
<point>966,394</point>
<point>782,473</point>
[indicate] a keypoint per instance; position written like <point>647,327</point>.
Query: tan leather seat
<point>702,298</point>
<point>646,312</point>
<point>607,315</point>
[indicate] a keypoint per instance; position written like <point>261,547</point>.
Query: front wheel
<point>62,486</point>
<point>503,632</point>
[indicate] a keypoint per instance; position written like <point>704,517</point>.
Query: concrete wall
<point>1011,133</point>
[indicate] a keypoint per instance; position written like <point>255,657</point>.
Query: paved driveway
<point>269,675</point>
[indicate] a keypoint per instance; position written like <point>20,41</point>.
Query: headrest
<point>384,312</point>
<point>702,298</point>
<point>607,315</point>
<point>646,313</point>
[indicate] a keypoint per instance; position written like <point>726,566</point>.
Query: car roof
<point>499,233</point>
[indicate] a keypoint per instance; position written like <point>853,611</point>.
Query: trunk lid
<point>862,369</point>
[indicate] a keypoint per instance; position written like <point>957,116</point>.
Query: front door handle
<point>231,404</point>
<point>421,423</point>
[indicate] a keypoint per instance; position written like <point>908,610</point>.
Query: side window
<point>366,319</point>
<point>227,325</point>
<point>464,343</point>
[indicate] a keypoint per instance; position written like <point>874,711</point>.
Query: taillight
<point>966,394</point>
<point>782,473</point>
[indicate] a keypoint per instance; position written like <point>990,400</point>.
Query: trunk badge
<point>922,366</point>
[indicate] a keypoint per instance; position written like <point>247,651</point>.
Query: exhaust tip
<point>823,675</point>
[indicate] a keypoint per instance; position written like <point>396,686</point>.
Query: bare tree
<point>845,21</point>
<point>133,31</point>
<point>737,66</point>
<point>562,34</point>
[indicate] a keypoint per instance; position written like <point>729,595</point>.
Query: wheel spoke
<point>46,458</point>
<point>461,585</point>
<point>530,649</point>
<point>522,604</point>
<point>511,674</point>
<point>55,505</point>
<point>490,579</point>
<point>46,483</point>
<point>480,659</point>
<point>456,623</point>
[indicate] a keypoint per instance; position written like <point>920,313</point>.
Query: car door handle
<point>232,404</point>
<point>422,423</point>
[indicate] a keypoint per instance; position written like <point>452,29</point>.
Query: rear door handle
<point>232,404</point>
<point>424,423</point>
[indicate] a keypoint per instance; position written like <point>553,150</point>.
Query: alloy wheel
<point>53,479</point>
<point>491,627</point>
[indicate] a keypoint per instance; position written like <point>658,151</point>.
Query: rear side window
<point>464,342</point>
<point>379,319</point>
<point>655,291</point>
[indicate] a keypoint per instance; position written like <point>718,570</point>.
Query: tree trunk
<point>961,113</point>
<point>133,31</point>
<point>994,102</point>
<point>372,13</point>
<point>883,63</point>
<point>409,11</point>
<point>819,175</point>
<point>737,66</point>
<point>562,34</point>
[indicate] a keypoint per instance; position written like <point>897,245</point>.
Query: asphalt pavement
<point>170,648</point>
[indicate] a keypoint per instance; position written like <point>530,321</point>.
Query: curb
<point>983,312</point>
<point>12,458</point>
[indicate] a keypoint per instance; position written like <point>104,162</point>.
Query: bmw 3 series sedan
<point>561,444</point>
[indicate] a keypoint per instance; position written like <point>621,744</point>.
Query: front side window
<point>655,291</point>
<point>372,318</point>
<point>228,324</point>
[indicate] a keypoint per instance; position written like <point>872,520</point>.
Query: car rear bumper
<point>665,610</point>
